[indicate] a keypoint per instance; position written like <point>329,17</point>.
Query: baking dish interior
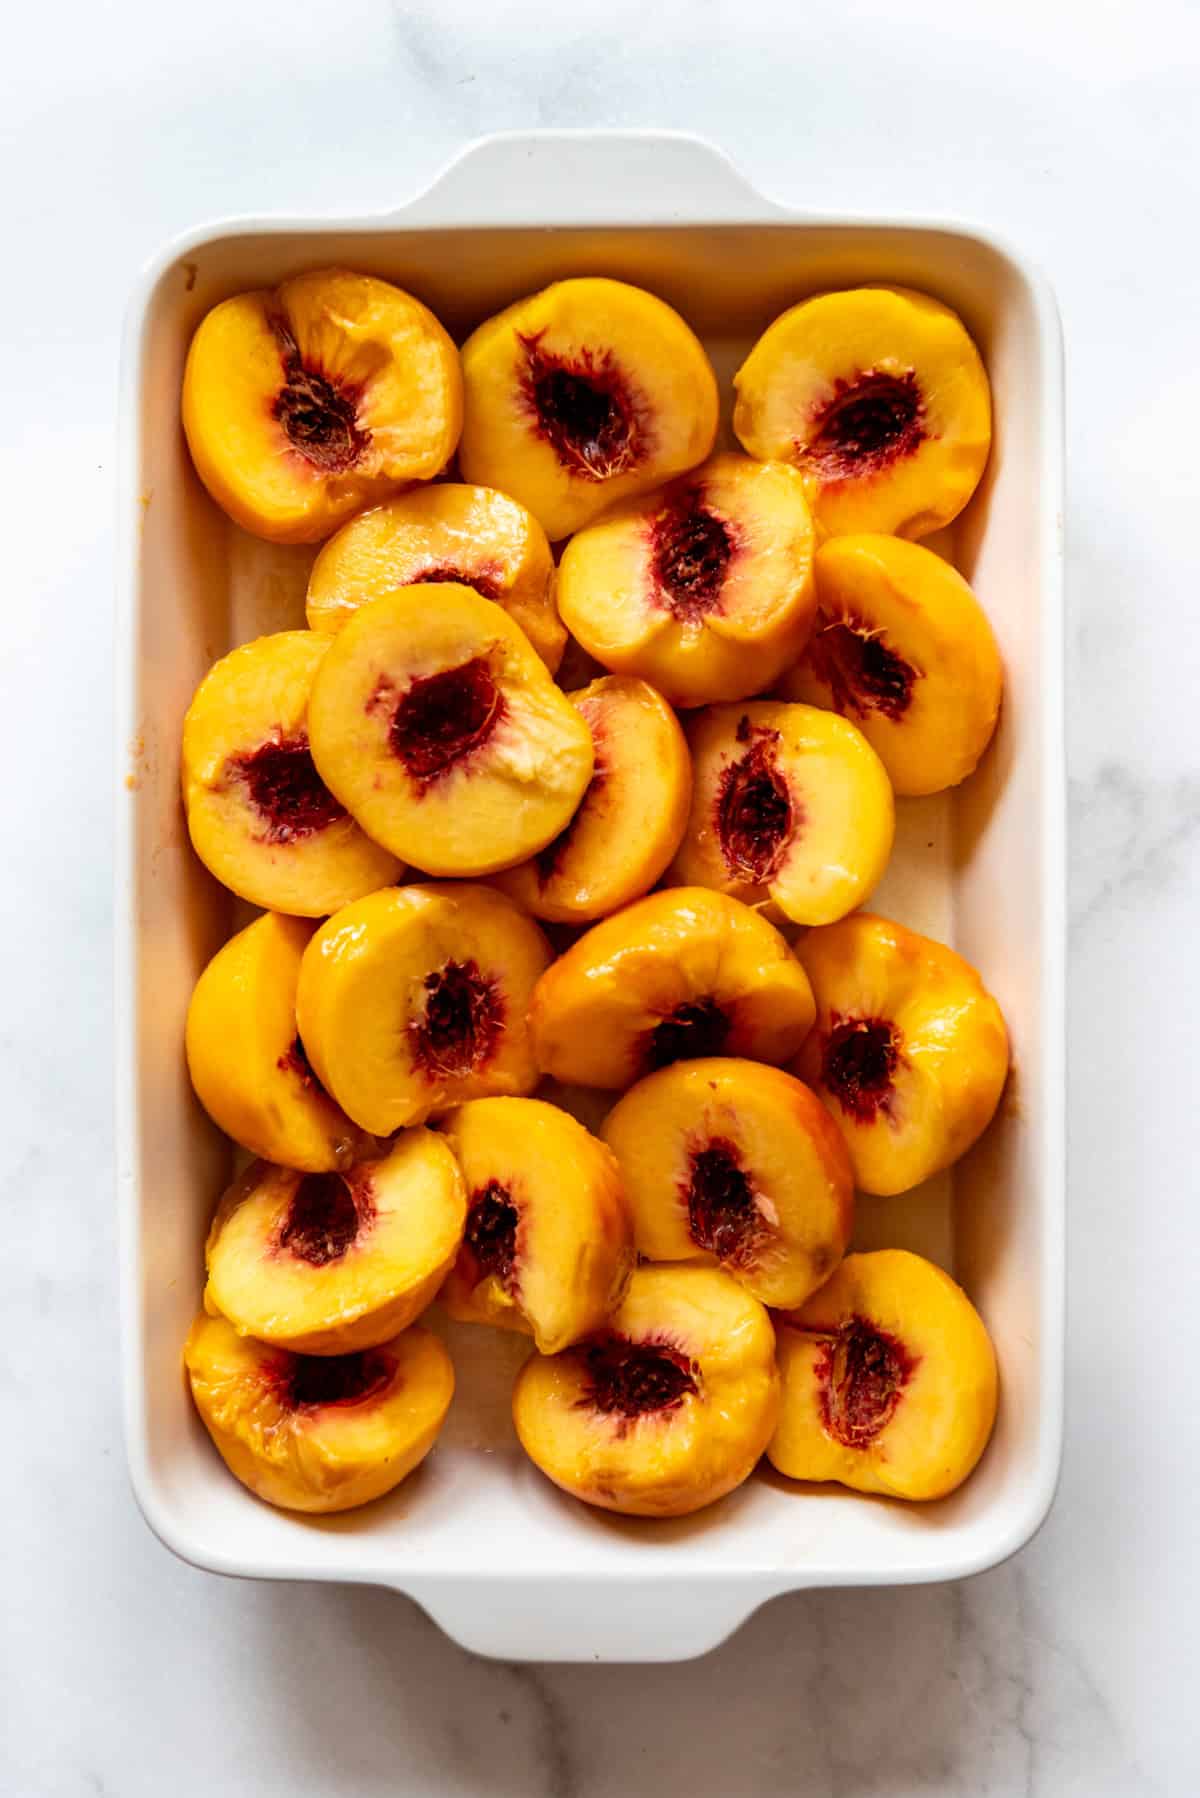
<point>977,868</point>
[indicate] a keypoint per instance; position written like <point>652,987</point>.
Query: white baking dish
<point>505,1563</point>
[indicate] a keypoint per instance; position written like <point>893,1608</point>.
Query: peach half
<point>738,1165</point>
<point>247,1062</point>
<point>909,1052</point>
<point>318,1433</point>
<point>703,587</point>
<point>303,404</point>
<point>472,536</point>
<point>679,974</point>
<point>666,1410</point>
<point>790,805</point>
<point>889,1380</point>
<point>631,819</point>
<point>327,1263</point>
<point>438,727</point>
<point>417,998</point>
<point>548,1247</point>
<point>260,817</point>
<point>879,397</point>
<point>581,395</point>
<point>904,649</point>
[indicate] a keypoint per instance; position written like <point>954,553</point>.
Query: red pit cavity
<point>318,413</point>
<point>859,1065</point>
<point>722,1214</point>
<point>689,1031</point>
<point>755,817</point>
<point>485,581</point>
<point>323,1219</point>
<point>444,717</point>
<point>691,549</point>
<point>294,1060</point>
<point>314,1380</point>
<point>628,1379</point>
<point>462,1022</point>
<point>862,673</point>
<point>869,423</point>
<point>862,1374</point>
<point>585,408</point>
<point>285,789</point>
<point>491,1233</point>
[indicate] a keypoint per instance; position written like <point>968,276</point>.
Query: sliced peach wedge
<point>436,724</point>
<point>739,1165</point>
<point>326,1263</point>
<point>790,805</point>
<point>666,1410</point>
<point>307,402</point>
<point>260,817</point>
<point>904,649</point>
<point>417,998</point>
<point>889,1380</point>
<point>879,397</point>
<point>548,1247</point>
<point>909,1052</point>
<point>679,974</point>
<point>704,587</point>
<point>631,819</point>
<point>318,1433</point>
<point>473,536</point>
<point>581,395</point>
<point>247,1061</point>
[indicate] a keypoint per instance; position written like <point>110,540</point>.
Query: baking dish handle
<point>611,1619</point>
<point>588,178</point>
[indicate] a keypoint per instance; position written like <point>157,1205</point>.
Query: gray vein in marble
<point>1131,837</point>
<point>554,1742</point>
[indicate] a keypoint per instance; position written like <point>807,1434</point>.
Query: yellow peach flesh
<point>789,805</point>
<point>880,399</point>
<point>678,974</point>
<point>889,1380</point>
<point>737,1165</point>
<point>260,817</point>
<point>582,395</point>
<point>548,1244</point>
<point>318,1457</point>
<point>689,1336</point>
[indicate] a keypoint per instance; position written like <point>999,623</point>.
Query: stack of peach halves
<point>409,796</point>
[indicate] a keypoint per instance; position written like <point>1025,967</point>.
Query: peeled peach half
<point>667,1409</point>
<point>630,820</point>
<point>738,1165</point>
<point>246,1060</point>
<point>889,1380</point>
<point>417,999</point>
<point>789,804</point>
<point>437,725</point>
<point>308,402</point>
<point>260,816</point>
<point>704,587</point>
<point>909,1052</point>
<point>327,1263</point>
<point>904,649</point>
<point>679,974</point>
<point>582,395</point>
<point>318,1433</point>
<point>471,536</point>
<point>548,1247</point>
<point>879,397</point>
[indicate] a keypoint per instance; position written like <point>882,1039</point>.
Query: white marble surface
<point>1071,1671</point>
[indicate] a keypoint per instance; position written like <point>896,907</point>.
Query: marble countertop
<point>1069,1671</point>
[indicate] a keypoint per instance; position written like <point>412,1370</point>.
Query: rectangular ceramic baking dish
<point>506,1564</point>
